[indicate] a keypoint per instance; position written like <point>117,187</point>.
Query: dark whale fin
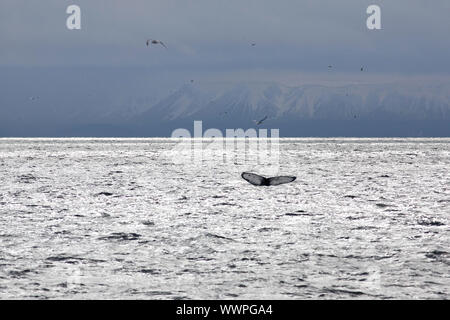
<point>275,181</point>
<point>254,179</point>
<point>258,180</point>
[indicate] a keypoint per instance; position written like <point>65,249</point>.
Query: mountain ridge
<point>246,101</point>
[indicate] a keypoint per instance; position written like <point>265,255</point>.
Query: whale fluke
<point>258,180</point>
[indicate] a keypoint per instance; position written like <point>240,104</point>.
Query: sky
<point>214,36</point>
<point>106,64</point>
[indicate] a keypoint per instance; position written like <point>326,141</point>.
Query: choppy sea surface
<point>131,219</point>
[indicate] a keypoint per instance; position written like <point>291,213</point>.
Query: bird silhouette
<point>152,41</point>
<point>258,122</point>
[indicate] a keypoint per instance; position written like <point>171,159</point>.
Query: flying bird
<point>253,44</point>
<point>258,180</point>
<point>151,41</point>
<point>362,68</point>
<point>258,122</point>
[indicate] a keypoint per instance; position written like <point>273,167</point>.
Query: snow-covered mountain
<point>186,101</point>
<point>310,110</point>
<point>256,100</point>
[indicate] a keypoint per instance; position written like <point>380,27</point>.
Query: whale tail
<point>258,180</point>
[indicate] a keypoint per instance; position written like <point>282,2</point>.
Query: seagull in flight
<point>258,122</point>
<point>152,41</point>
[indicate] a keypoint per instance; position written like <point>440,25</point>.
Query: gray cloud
<point>213,34</point>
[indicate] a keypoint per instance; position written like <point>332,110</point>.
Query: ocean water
<point>140,219</point>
